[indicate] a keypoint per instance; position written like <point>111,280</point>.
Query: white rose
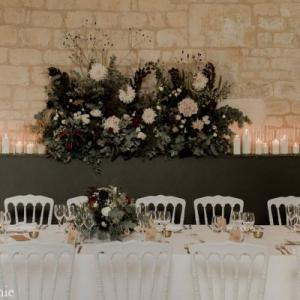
<point>85,119</point>
<point>105,211</point>
<point>141,136</point>
<point>95,113</point>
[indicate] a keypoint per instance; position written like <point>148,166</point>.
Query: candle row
<point>20,147</point>
<point>243,145</point>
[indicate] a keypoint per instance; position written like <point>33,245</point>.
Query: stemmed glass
<point>89,223</point>
<point>59,212</point>
<point>164,219</point>
<point>248,221</point>
<point>143,216</point>
<point>5,219</point>
<point>291,214</point>
<point>236,219</point>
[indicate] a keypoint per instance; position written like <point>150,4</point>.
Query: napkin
<point>19,237</point>
<point>21,227</point>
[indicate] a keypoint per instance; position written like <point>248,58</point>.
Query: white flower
<point>128,95</point>
<point>112,123</point>
<point>179,90</point>
<point>63,122</point>
<point>206,120</point>
<point>126,117</point>
<point>55,118</point>
<point>188,107</point>
<point>95,113</point>
<point>141,136</point>
<point>138,129</point>
<point>103,224</point>
<point>214,127</point>
<point>95,205</point>
<point>214,134</point>
<point>223,116</point>
<point>148,115</point>
<point>183,121</point>
<point>98,72</point>
<point>198,125</point>
<point>158,107</point>
<point>161,88</point>
<point>200,81</point>
<point>175,129</point>
<point>105,211</point>
<point>181,126</point>
<point>178,117</point>
<point>85,119</point>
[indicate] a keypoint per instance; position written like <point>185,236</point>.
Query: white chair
<point>133,270</point>
<point>35,270</point>
<point>166,202</point>
<point>77,201</point>
<point>229,271</point>
<point>278,202</point>
<point>215,201</point>
<point>33,201</point>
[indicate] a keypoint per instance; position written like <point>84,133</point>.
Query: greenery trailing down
<point>96,111</point>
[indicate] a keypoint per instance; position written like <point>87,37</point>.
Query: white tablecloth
<point>282,273</point>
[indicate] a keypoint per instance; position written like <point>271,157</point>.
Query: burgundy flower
<point>136,121</point>
<point>69,146</point>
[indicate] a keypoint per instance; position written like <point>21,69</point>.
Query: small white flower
<point>71,100</point>
<point>175,129</point>
<point>127,95</point>
<point>105,211</point>
<point>158,107</point>
<point>178,117</point>
<point>188,107</point>
<point>112,123</point>
<point>95,205</point>
<point>198,125</point>
<point>95,113</point>
<point>55,118</point>
<point>161,88</point>
<point>103,224</point>
<point>200,81</point>
<point>223,116</point>
<point>214,134</point>
<point>206,120</point>
<point>149,116</point>
<point>63,122</point>
<point>181,126</point>
<point>85,119</point>
<point>179,90</point>
<point>183,121</point>
<point>214,127</point>
<point>138,129</point>
<point>98,72</point>
<point>176,94</point>
<point>126,117</point>
<point>141,136</point>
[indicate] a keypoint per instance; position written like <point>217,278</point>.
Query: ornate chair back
<point>229,271</point>
<point>166,202</point>
<point>36,270</point>
<point>133,270</point>
<point>214,202</point>
<point>77,200</point>
<point>33,201</point>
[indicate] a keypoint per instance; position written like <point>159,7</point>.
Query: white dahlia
<point>149,115</point>
<point>188,107</point>
<point>198,125</point>
<point>95,113</point>
<point>200,81</point>
<point>141,135</point>
<point>98,72</point>
<point>112,123</point>
<point>127,95</point>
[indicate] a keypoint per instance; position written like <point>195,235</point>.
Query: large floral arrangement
<point>96,111</point>
<point>114,211</point>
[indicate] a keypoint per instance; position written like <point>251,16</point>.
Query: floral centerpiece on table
<point>114,211</point>
<point>97,111</point>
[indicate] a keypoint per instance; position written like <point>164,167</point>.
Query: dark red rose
<point>136,121</point>
<point>69,147</point>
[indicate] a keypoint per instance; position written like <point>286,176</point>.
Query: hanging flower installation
<point>96,111</point>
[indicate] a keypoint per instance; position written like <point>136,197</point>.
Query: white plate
<point>174,227</point>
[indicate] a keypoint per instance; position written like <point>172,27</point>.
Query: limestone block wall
<point>254,43</point>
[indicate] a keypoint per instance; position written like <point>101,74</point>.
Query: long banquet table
<point>282,273</point>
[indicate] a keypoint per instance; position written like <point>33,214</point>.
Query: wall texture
<point>254,43</point>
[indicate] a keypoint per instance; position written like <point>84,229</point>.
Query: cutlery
<point>280,249</point>
<point>79,249</point>
<point>286,249</point>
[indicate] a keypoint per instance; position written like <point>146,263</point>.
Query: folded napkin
<point>21,227</point>
<point>19,237</point>
<point>174,227</point>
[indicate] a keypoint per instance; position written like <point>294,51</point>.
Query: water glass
<point>236,219</point>
<point>59,212</point>
<point>248,221</point>
<point>291,215</point>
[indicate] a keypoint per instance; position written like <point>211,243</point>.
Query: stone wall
<point>254,43</point>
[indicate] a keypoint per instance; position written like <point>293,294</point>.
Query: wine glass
<point>248,221</point>
<point>6,221</point>
<point>59,212</point>
<point>70,213</point>
<point>217,223</point>
<point>143,217</point>
<point>165,219</point>
<point>291,212</point>
<point>236,219</point>
<point>89,223</point>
